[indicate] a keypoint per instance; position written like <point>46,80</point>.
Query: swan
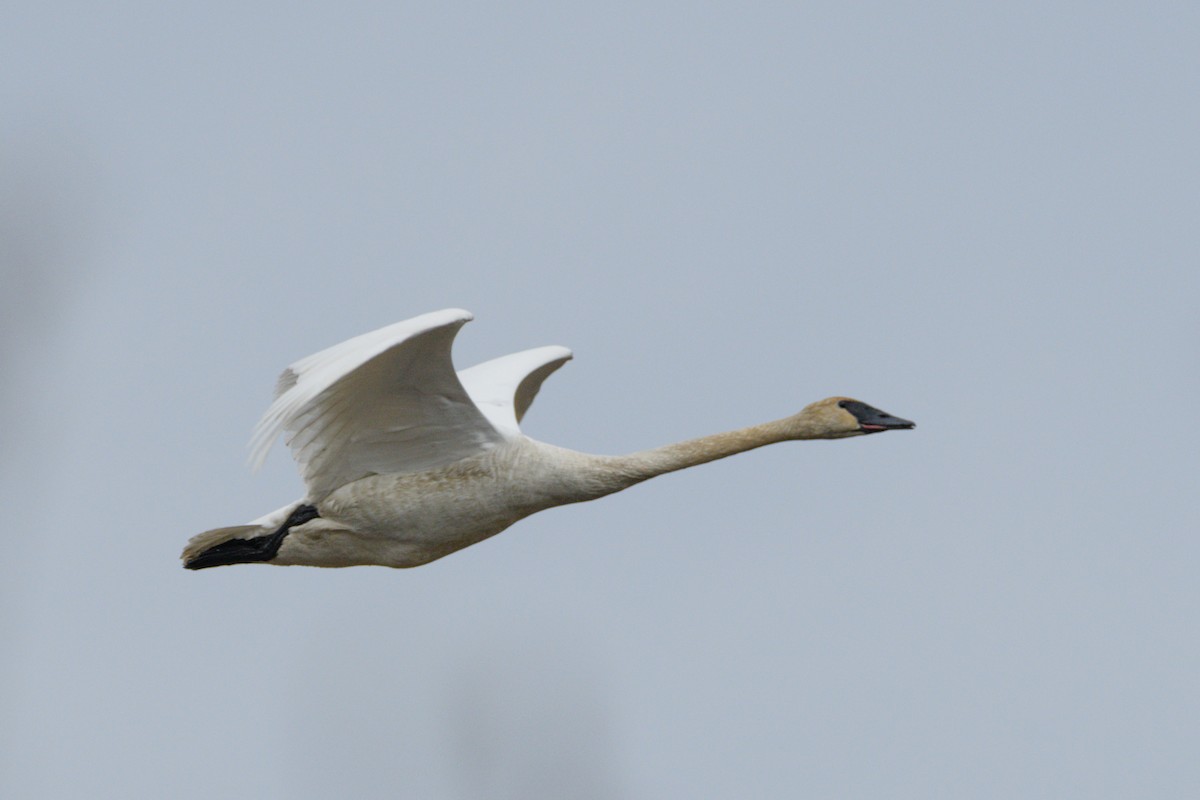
<point>406,461</point>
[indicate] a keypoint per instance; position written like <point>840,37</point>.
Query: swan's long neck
<point>646,464</point>
<point>595,476</point>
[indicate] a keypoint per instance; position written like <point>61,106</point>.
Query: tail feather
<point>210,539</point>
<point>244,544</point>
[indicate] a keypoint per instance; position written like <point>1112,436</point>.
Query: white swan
<point>406,461</point>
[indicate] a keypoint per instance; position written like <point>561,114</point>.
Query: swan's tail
<point>201,543</point>
<point>244,544</point>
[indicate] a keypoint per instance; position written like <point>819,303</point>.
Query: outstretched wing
<point>504,387</point>
<point>387,401</point>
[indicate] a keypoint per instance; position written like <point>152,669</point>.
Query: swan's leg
<point>260,548</point>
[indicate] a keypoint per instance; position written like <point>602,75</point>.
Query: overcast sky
<point>982,217</point>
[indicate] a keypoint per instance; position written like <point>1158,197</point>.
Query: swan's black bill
<point>872,420</point>
<point>249,551</point>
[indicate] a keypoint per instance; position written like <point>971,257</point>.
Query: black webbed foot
<point>249,551</point>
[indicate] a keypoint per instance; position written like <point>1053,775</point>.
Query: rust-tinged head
<point>840,417</point>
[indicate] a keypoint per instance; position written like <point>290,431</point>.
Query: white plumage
<point>406,460</point>
<point>383,402</point>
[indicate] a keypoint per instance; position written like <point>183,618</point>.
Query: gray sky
<point>981,217</point>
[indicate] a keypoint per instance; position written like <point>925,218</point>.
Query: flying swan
<point>406,461</point>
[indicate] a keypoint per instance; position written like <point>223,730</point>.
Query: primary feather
<point>384,402</point>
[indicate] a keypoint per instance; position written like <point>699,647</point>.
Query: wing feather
<point>386,401</point>
<point>504,387</point>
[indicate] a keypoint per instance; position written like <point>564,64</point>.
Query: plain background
<point>982,217</point>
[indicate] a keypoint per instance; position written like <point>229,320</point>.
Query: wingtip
<point>452,314</point>
<point>553,352</point>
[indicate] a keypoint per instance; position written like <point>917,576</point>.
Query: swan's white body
<point>405,520</point>
<point>406,461</point>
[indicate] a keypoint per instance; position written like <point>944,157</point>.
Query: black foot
<point>248,551</point>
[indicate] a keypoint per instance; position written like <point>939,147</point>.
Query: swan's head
<point>840,417</point>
